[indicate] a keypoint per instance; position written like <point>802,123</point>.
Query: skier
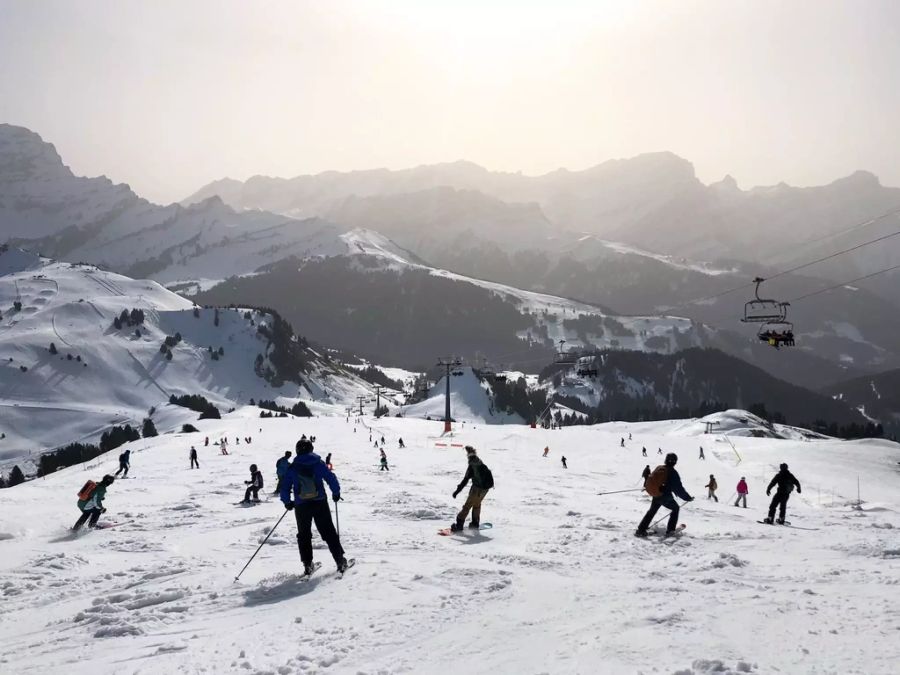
<point>712,485</point>
<point>328,462</point>
<point>90,501</point>
<point>280,469</point>
<point>702,456</point>
<point>482,481</point>
<point>255,484</point>
<point>629,436</point>
<point>384,464</point>
<point>222,447</point>
<point>305,477</point>
<point>664,484</point>
<point>124,463</point>
<point>621,442</point>
<point>382,440</point>
<point>565,466</point>
<point>659,451</point>
<point>645,474</point>
<point>206,443</point>
<point>194,463</point>
<point>402,445</point>
<point>742,492</point>
<point>546,450</point>
<point>644,451</point>
<point>786,482</point>
<point>237,440</point>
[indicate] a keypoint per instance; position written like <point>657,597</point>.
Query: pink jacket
<point>742,487</point>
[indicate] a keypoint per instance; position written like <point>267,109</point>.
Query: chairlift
<point>764,310</point>
<point>587,372</point>
<point>777,334</point>
<point>456,373</point>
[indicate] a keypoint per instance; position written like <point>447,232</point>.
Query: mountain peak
<point>24,155</point>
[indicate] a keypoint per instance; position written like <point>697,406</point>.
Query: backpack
<point>485,477</point>
<point>306,483</point>
<point>655,481</point>
<point>85,492</point>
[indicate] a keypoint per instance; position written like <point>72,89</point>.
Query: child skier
<point>786,483</point>
<point>482,481</point>
<point>255,484</point>
<point>742,492</point>
<point>712,485</point>
<point>90,501</point>
<point>194,463</point>
<point>664,484</point>
<point>306,478</point>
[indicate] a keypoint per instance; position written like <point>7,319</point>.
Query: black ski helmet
<point>671,459</point>
<point>304,446</point>
<point>253,468</point>
<point>108,480</point>
<point>783,467</point>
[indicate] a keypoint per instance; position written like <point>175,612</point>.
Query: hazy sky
<point>169,94</point>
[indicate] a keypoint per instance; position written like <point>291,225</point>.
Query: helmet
<point>304,446</point>
<point>108,479</point>
<point>287,453</point>
<point>253,467</point>
<point>671,459</point>
<point>783,467</point>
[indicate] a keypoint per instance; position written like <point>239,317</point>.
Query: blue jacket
<point>673,485</point>
<point>306,477</point>
<point>281,466</point>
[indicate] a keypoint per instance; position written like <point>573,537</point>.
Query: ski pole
<point>337,520</point>
<point>261,545</point>
<point>659,520</point>
<point>615,492</point>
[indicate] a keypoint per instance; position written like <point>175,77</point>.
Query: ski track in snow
<point>558,585</point>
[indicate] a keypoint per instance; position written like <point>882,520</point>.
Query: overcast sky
<point>168,95</point>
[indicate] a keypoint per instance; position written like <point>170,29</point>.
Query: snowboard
<point>446,531</point>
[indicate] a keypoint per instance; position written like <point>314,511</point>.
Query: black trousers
<point>318,511</point>
<point>122,467</point>
<point>669,502</point>
<point>194,462</point>
<point>779,501</point>
<point>254,490</point>
<point>93,514</point>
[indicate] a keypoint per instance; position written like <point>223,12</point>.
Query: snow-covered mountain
<point>67,373</point>
<point>558,585</point>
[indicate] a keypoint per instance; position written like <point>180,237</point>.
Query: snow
<point>627,249</point>
<point>559,585</point>
<point>470,400</point>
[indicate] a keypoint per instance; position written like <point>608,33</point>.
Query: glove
<point>246,482</point>
<point>799,491</point>
<point>455,494</point>
<point>767,493</point>
<point>690,499</point>
<point>103,510</point>
<point>336,497</point>
<point>289,506</point>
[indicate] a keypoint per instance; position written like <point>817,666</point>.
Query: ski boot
<point>473,525</point>
<point>455,527</point>
<point>308,569</point>
<point>767,521</point>
<point>342,565</point>
<point>780,521</point>
<point>641,533</point>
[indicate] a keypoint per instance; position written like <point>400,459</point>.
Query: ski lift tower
<point>449,364</point>
<point>709,426</point>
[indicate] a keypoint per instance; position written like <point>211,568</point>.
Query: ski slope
<point>559,585</point>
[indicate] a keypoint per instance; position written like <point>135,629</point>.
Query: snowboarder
<point>306,478</point>
<point>742,492</point>
<point>280,469</point>
<point>644,451</point>
<point>702,456</point>
<point>90,501</point>
<point>645,474</point>
<point>482,481</point>
<point>384,464</point>
<point>194,463</point>
<point>546,450</point>
<point>328,462</point>
<point>712,486</point>
<point>565,466</point>
<point>402,445</point>
<point>664,484</point>
<point>786,482</point>
<point>124,463</point>
<point>255,484</point>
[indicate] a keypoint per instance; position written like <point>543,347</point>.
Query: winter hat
<point>304,446</point>
<point>783,467</point>
<point>108,479</point>
<point>742,478</point>
<point>253,467</point>
<point>287,453</point>
<point>671,459</point>
<point>470,450</point>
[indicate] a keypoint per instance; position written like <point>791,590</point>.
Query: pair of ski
<point>316,565</point>
<point>788,524</point>
<point>446,531</point>
<point>663,534</point>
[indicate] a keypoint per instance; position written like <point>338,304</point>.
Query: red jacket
<point>742,487</point>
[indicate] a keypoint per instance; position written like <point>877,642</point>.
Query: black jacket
<point>785,481</point>
<point>471,475</point>
<point>673,485</point>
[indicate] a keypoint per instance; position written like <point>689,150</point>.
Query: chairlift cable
<point>845,283</point>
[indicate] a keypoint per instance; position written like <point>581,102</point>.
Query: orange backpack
<point>656,480</point>
<point>85,493</point>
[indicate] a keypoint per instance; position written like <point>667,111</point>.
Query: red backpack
<point>85,493</point>
<point>656,480</point>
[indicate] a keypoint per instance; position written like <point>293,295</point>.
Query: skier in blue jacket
<point>306,478</point>
<point>670,489</point>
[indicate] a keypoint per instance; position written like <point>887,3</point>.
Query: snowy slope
<point>559,585</point>
<point>470,400</point>
<point>120,375</point>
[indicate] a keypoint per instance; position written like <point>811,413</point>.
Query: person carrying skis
<point>565,466</point>
<point>90,501</point>
<point>255,484</point>
<point>482,481</point>
<point>712,486</point>
<point>664,484</point>
<point>280,469</point>
<point>786,483</point>
<point>742,492</point>
<point>124,463</point>
<point>194,463</point>
<point>645,474</point>
<point>306,478</point>
<point>384,464</point>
